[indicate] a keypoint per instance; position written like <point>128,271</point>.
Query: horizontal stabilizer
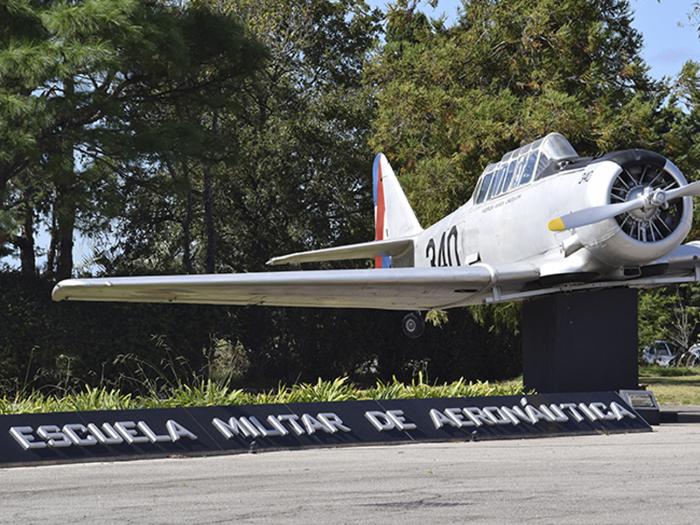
<point>364,250</point>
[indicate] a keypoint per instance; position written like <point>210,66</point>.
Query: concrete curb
<point>680,414</point>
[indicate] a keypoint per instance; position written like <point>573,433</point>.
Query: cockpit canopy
<point>522,165</point>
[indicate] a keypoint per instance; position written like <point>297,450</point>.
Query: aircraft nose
<point>631,159</point>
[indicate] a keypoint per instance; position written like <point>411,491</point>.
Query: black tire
<point>413,325</point>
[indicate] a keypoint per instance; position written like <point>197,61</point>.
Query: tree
<point>669,314</point>
<point>80,79</point>
<point>287,167</point>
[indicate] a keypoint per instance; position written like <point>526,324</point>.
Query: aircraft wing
<point>390,289</point>
<point>685,257</point>
<point>681,265</point>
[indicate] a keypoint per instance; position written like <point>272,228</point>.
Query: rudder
<point>393,215</point>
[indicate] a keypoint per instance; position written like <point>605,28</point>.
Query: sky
<point>669,40</point>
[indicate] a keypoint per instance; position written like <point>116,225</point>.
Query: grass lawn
<point>672,386</point>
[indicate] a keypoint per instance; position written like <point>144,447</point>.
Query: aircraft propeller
<point>647,200</point>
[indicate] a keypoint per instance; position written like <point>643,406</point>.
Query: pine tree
<point>82,84</point>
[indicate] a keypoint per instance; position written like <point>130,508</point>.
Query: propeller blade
<point>592,215</point>
<point>684,191</point>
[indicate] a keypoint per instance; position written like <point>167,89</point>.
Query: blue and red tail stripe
<point>379,210</point>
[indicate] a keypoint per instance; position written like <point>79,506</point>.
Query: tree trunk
<point>187,233</point>
<point>66,205</point>
<point>51,254</point>
<point>208,197</point>
<point>26,248</point>
<point>65,221</point>
<point>187,219</point>
<point>209,226</point>
<point>11,169</point>
<point>4,177</point>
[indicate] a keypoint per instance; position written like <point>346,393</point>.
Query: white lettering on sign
<point>333,422</point>
<point>526,413</point>
<point>389,420</point>
<point>140,433</point>
<point>152,436</point>
<point>620,412</point>
<point>106,434</point>
<point>266,431</point>
<point>53,436</point>
<point>439,419</point>
<point>25,437</point>
<point>79,435</point>
<point>379,420</point>
<point>280,425</point>
<point>128,431</point>
<point>234,427</point>
<point>400,420</point>
<point>478,417</point>
<point>496,415</point>
<point>177,431</point>
<point>291,420</point>
<point>312,424</point>
<point>458,417</point>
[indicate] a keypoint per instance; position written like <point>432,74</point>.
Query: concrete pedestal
<point>581,341</point>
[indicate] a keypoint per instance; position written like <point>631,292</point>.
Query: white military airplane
<point>541,220</point>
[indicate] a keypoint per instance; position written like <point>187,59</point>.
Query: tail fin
<point>393,215</point>
<point>395,228</point>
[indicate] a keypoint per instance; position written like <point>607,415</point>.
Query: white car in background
<point>691,357</point>
<point>660,353</point>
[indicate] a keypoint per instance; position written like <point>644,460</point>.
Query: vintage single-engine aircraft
<point>541,220</point>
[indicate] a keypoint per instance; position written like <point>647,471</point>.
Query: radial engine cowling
<point>642,235</point>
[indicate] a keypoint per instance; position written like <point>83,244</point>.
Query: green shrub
<point>210,393</point>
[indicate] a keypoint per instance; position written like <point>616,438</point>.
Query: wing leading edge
<point>390,289</point>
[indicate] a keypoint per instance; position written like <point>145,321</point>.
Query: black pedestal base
<point>581,341</point>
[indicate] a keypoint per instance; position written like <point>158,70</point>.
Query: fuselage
<point>512,226</point>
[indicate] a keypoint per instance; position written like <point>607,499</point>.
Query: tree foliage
<point>88,89</point>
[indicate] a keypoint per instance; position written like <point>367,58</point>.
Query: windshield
<point>556,147</point>
<point>520,166</point>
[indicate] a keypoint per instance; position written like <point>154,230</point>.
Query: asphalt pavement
<point>623,478</point>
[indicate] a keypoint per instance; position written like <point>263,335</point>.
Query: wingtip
<point>65,290</point>
<point>59,292</point>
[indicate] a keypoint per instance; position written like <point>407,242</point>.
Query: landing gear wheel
<point>413,325</point>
